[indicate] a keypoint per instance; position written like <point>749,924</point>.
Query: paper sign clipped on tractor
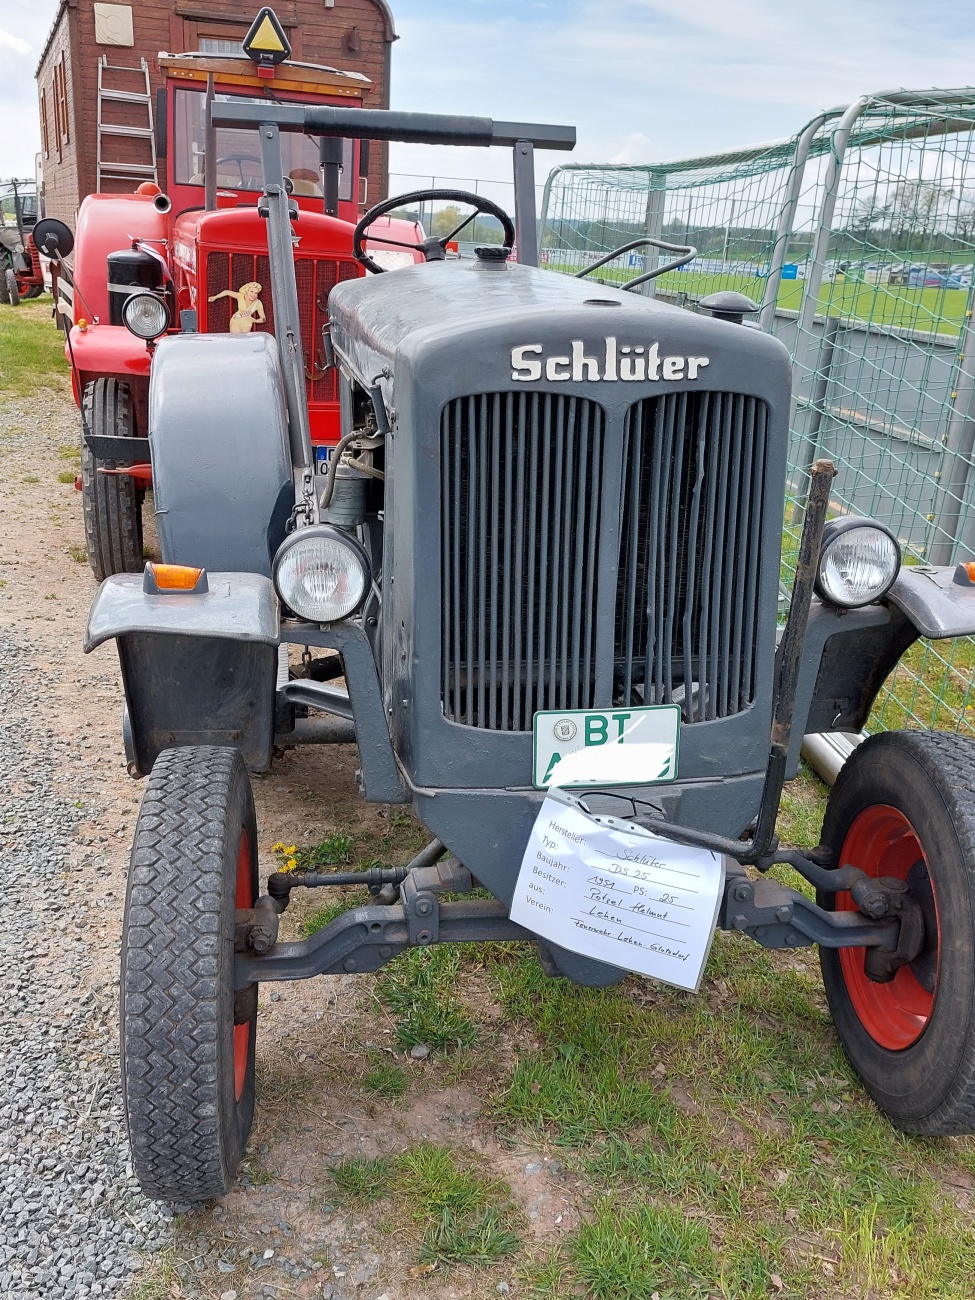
<point>607,889</point>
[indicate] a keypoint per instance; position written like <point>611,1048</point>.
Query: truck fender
<point>221,462</point>
<point>198,668</point>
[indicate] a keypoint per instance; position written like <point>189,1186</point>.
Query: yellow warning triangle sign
<point>266,41</point>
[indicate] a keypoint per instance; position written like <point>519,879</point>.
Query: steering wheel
<point>434,249</point>
<point>239,159</point>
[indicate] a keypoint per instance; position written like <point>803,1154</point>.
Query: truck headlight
<point>145,315</point>
<point>858,562</point>
<point>322,573</point>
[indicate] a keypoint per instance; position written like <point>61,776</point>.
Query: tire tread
<point>171,993</point>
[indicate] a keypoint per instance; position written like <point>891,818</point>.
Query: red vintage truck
<point>198,243</point>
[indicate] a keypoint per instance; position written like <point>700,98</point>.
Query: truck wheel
<point>13,293</point>
<point>112,510</point>
<point>904,806</point>
<point>34,291</point>
<point>187,1040</point>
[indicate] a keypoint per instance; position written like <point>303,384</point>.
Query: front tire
<point>110,502</point>
<point>187,1042</point>
<point>13,292</point>
<point>904,806</point>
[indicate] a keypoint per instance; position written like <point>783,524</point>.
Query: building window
<point>45,137</point>
<point>61,103</point>
<point>213,45</point>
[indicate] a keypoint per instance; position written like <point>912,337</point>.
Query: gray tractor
<point>552,499</point>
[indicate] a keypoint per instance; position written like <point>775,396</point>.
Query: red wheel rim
<point>882,842</point>
<point>245,898</point>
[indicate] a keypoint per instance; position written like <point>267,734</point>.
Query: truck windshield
<point>239,152</point>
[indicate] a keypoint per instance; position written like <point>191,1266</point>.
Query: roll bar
<point>387,124</point>
<point>523,138</point>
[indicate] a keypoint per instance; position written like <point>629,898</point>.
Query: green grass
<point>467,1217</point>
<point>419,988</point>
<point>32,350</point>
<point>66,476</point>
<point>642,1251</point>
<point>463,1215</point>
<point>386,1080</point>
<point>940,310</point>
<point>362,1182</point>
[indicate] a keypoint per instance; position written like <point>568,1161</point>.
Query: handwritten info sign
<point>607,889</point>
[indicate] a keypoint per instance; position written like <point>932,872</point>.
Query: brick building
<point>352,35</point>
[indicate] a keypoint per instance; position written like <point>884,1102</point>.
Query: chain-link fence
<point>857,237</point>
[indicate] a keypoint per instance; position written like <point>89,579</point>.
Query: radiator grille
<point>686,608</point>
<point>521,480</point>
<point>315,277</point>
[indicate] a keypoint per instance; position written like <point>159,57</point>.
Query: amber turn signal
<point>175,577</point>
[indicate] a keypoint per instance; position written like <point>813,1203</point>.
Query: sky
<point>641,80</point>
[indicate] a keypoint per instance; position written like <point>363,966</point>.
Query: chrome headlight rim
<point>132,302</point>
<point>331,533</point>
<point>836,529</point>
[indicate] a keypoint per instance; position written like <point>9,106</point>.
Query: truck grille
<point>521,478</point>
<point>316,278</point>
<point>686,607</point>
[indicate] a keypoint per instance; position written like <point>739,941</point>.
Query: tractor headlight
<point>322,573</point>
<point>146,315</point>
<point>858,562</point>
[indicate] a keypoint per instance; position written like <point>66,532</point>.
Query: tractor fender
<point>198,667</point>
<point>847,656</point>
<point>107,352</point>
<point>940,602</point>
<point>221,464</point>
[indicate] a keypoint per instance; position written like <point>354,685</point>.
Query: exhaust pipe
<point>162,202</point>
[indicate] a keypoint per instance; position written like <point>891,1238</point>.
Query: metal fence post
<point>654,219</point>
<point>787,213</point>
<point>805,344</point>
<point>959,443</point>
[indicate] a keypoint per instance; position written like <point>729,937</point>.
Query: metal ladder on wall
<point>109,169</point>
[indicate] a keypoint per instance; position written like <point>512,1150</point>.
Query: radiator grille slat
<point>520,517</point>
<point>686,613</point>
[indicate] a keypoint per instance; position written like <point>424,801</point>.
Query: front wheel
<point>110,502</point>
<point>13,292</point>
<point>187,1039</point>
<point>904,806</point>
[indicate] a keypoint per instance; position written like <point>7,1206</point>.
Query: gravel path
<point>72,1220</point>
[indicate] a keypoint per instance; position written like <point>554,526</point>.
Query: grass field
<point>31,349</point>
<point>939,310</point>
<point>717,1144</point>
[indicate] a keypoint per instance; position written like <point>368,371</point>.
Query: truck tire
<point>110,502</point>
<point>187,1044</point>
<point>904,806</point>
<point>13,293</point>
